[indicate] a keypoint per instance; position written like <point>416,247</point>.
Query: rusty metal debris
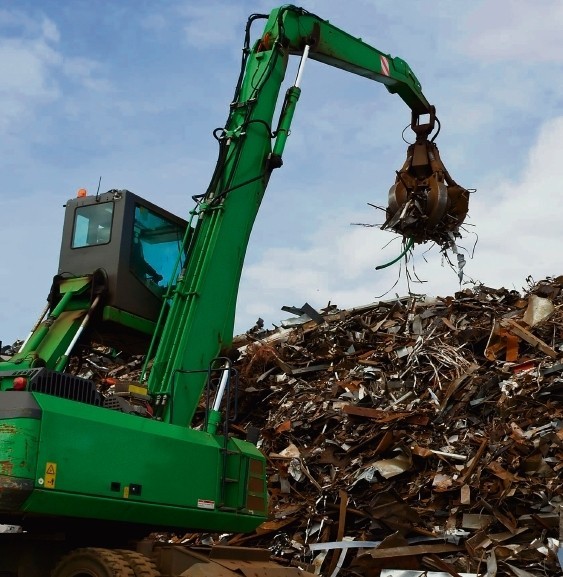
<point>403,437</point>
<point>415,436</point>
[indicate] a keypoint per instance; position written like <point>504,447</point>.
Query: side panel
<point>102,464</point>
<point>19,436</point>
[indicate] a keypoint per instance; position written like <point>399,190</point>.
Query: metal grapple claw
<point>425,203</point>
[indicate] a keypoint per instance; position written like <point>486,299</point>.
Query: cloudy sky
<point>131,91</point>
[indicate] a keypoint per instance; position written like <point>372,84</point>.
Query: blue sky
<point>131,91</point>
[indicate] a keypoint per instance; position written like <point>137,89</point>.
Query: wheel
<point>142,566</point>
<point>93,562</point>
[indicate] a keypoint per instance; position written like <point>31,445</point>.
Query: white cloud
<point>28,256</point>
<point>25,68</point>
<point>33,68</point>
<point>155,22</point>
<point>214,24</point>
<point>86,72</point>
<point>519,30</point>
<point>50,30</point>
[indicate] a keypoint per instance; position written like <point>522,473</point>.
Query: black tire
<point>142,566</point>
<point>93,562</point>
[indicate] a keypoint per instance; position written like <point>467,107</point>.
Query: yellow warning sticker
<point>50,475</point>
<point>126,492</point>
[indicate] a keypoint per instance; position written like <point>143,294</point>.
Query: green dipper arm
<point>201,317</point>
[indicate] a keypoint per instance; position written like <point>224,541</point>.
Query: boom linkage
<point>200,324</point>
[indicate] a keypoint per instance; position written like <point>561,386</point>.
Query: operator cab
<point>136,243</point>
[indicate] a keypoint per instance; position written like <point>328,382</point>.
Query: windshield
<point>156,245</point>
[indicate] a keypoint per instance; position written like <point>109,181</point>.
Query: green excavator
<point>86,471</point>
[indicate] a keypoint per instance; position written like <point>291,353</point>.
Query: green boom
<point>201,319</point>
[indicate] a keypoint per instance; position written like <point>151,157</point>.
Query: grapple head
<point>424,203</point>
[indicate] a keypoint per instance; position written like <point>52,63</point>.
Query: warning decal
<point>50,475</point>
<point>384,65</point>
<point>205,504</point>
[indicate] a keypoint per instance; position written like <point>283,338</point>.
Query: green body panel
<point>95,463</point>
<point>51,338</point>
<point>153,515</point>
<point>18,438</point>
<point>129,320</point>
<point>201,319</point>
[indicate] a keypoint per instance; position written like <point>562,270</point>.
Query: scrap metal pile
<point>415,435</point>
<point>406,434</point>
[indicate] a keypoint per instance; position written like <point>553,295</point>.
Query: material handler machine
<point>85,472</point>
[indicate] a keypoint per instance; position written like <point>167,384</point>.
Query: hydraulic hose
<point>408,246</point>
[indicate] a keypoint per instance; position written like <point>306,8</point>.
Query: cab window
<point>92,225</point>
<point>156,245</point>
